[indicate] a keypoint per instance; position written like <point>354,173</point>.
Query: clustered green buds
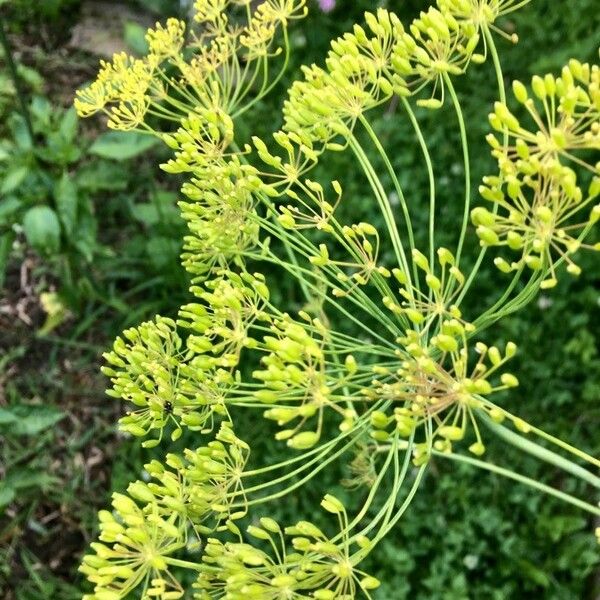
<point>538,202</point>
<point>381,348</point>
<point>441,400</point>
<point>315,566</point>
<point>188,497</point>
<point>186,383</point>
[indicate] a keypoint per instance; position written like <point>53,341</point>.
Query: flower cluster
<point>186,381</point>
<point>217,66</point>
<point>440,394</point>
<point>380,358</point>
<point>366,67</point>
<point>318,567</point>
<point>435,307</point>
<point>536,196</point>
<point>153,521</point>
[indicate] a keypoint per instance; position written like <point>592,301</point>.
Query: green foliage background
<point>468,535</point>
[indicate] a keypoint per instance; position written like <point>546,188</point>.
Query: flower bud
<point>430,103</point>
<point>287,221</point>
<point>520,92</point>
<point>369,583</point>
<point>433,282</point>
<point>304,440</point>
<point>380,435</point>
<point>533,262</point>
<point>379,419</point>
<point>487,236</point>
<point>538,86</point>
<point>502,265</point>
<point>509,380</point>
<point>548,283</point>
<point>544,214</point>
<point>445,257</point>
<point>497,415</point>
<point>257,532</point>
<point>350,364</point>
<point>477,448</point>
<point>514,240</point>
<point>332,504</point>
<point>400,276</point>
<point>414,315</point>
<point>482,386</point>
<point>451,433</point>
<point>283,581</point>
<point>521,425</point>
<point>324,595</point>
<point>140,491</point>
<point>420,260</point>
<point>322,258</point>
<point>494,355</point>
<point>445,342</point>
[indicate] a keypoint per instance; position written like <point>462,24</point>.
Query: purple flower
<point>327,5</point>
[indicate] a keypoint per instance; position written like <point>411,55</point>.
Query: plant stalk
<point>12,69</point>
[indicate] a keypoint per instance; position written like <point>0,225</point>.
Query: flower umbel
<point>381,357</point>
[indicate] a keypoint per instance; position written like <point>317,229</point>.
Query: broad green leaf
<point>162,209</point>
<point>85,236</point>
<point>8,207</point>
<point>135,38</point>
<point>7,416</point>
<point>163,252</point>
<point>65,195</point>
<point>13,179</point>
<point>4,153</point>
<point>7,495</point>
<point>122,145</point>
<point>534,573</point>
<point>20,132</point>
<point>29,420</point>
<point>42,229</point>
<point>146,213</point>
<point>19,479</point>
<point>102,175</point>
<point>41,112</point>
<point>68,124</point>
<point>31,77</point>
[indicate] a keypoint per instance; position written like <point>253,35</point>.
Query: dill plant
<point>382,350</point>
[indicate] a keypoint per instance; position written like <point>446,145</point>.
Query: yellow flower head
<point>165,42</point>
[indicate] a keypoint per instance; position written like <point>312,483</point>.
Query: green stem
<point>12,69</point>
<point>502,96</point>
<point>467,165</point>
<point>394,178</point>
<point>185,564</point>
<point>384,205</point>
<point>359,298</point>
<point>408,500</point>
<point>430,173</point>
<point>320,466</point>
<point>543,453</point>
<point>373,491</point>
<point>521,479</point>
<point>399,478</point>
